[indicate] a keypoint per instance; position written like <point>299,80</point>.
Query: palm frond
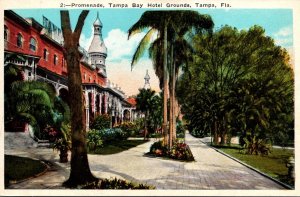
<point>144,43</point>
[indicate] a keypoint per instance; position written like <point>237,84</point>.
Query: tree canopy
<point>241,83</point>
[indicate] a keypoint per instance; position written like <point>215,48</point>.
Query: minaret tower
<point>98,51</point>
<point>147,79</point>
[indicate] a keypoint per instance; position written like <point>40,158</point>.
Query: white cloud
<point>119,46</point>
<point>118,61</point>
<point>284,37</point>
<point>284,32</point>
<point>85,42</point>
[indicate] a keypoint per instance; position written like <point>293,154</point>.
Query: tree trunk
<point>146,130</point>
<point>165,117</point>
<point>216,136</point>
<point>80,170</point>
<point>171,109</point>
<point>174,115</point>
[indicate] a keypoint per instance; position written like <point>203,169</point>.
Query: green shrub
<point>198,134</point>
<point>115,184</point>
<point>180,130</point>
<point>94,140</point>
<point>128,127</point>
<point>181,151</point>
<point>158,149</point>
<point>256,146</point>
<point>113,134</point>
<point>101,122</point>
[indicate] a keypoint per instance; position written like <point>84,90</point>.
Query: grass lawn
<point>274,164</point>
<point>19,168</point>
<point>117,147</point>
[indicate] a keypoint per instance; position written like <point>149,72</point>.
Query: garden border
<point>250,167</point>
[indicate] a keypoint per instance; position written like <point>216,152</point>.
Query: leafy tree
<point>80,170</point>
<point>241,83</point>
<point>155,112</point>
<point>143,103</point>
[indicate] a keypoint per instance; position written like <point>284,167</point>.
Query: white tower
<point>98,51</point>
<point>147,79</point>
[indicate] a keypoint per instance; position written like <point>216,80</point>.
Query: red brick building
<point>39,49</point>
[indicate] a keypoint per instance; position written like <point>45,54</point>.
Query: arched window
<point>32,44</point>
<point>20,40</point>
<point>46,54</point>
<point>5,33</point>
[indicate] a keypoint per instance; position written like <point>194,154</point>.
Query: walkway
<point>211,170</point>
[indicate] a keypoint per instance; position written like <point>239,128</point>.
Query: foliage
<point>180,130</point>
<point>113,134</point>
<point>197,133</point>
<point>31,102</point>
<point>158,148</point>
<point>63,141</point>
<point>50,133</point>
<point>155,113</point>
<point>94,140</point>
<point>164,23</point>
<point>256,146</point>
<point>179,151</point>
<point>101,122</point>
<point>115,183</point>
<point>139,126</point>
<point>128,127</point>
<point>233,89</point>
<point>20,168</point>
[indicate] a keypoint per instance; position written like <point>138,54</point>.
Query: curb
<point>250,167</point>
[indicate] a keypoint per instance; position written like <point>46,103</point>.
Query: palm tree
<point>156,22</point>
<point>80,170</point>
<point>143,103</point>
<point>31,102</point>
<point>164,22</point>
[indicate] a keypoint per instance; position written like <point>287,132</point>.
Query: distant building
<point>41,51</point>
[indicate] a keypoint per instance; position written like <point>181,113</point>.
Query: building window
<point>32,44</point>
<point>20,40</point>
<point>46,54</point>
<point>55,59</point>
<point>5,33</point>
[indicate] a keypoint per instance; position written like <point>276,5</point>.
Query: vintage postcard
<point>188,98</point>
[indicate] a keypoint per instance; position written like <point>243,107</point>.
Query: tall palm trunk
<point>80,170</point>
<point>165,118</point>
<point>174,113</point>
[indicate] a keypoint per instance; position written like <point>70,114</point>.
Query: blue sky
<point>277,23</point>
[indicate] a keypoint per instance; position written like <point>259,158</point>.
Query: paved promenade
<point>210,171</point>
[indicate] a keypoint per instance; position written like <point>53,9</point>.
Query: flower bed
<point>115,184</point>
<point>179,151</point>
